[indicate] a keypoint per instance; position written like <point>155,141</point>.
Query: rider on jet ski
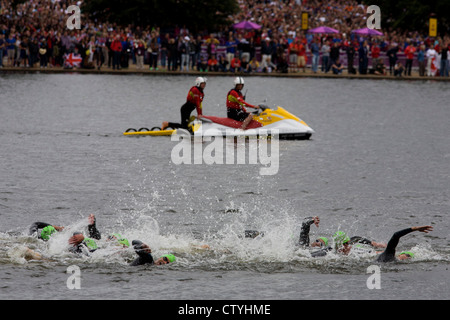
<point>236,104</point>
<point>193,101</point>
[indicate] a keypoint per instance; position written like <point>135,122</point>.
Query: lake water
<point>379,162</point>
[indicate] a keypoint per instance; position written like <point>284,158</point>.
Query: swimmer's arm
<point>92,228</point>
<point>304,233</point>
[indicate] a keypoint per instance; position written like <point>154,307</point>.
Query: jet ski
<point>265,122</point>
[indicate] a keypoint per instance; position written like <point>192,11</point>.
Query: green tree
<point>196,15</point>
<point>413,15</point>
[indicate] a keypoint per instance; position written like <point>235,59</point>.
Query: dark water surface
<point>378,162</point>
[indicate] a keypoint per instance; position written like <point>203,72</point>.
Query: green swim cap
<point>409,253</point>
<point>325,240</point>
<point>91,244</point>
<point>340,238</point>
<point>121,240</point>
<point>169,257</point>
<point>47,232</point>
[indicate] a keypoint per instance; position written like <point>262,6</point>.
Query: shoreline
<point>146,71</point>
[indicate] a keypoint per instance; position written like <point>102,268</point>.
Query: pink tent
<point>247,25</point>
<point>323,30</point>
<point>368,32</point>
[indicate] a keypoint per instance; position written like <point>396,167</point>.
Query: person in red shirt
<point>235,65</point>
<point>213,64</point>
<point>375,54</point>
<point>301,60</point>
<point>116,48</point>
<point>409,52</point>
<point>193,101</point>
<point>236,104</point>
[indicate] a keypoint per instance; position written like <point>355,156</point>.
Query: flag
<point>72,60</point>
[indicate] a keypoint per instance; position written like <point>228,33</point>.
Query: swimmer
<point>121,241</point>
<point>45,230</point>
<point>320,242</point>
<point>389,254</point>
<point>145,255</point>
<point>81,244</point>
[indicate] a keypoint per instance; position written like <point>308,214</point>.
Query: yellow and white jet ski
<point>265,122</point>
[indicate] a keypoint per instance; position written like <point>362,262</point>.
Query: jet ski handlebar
<point>262,107</point>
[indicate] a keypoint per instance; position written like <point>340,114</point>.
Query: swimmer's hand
<point>424,229</point>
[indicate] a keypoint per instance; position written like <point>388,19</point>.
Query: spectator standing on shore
<point>350,57</point>
<point>103,47</point>
<point>421,60</point>
<point>43,53</point>
<point>153,46</point>
<point>185,53</point>
<point>2,47</point>
<point>11,49</point>
<point>315,53</point>
<point>243,47</point>
<point>23,53</point>
<point>375,52</point>
<point>172,55</point>
<point>116,48</point>
<point>325,56</point>
<point>392,55</point>
<point>409,52</point>
<point>266,52</point>
<point>444,61</point>
<point>192,53</point>
<point>164,50</point>
<point>140,54</point>
<point>431,62</point>
<point>231,45</point>
<point>301,60</point>
<point>363,57</point>
<point>197,51</point>
<point>33,48</point>
<point>293,53</point>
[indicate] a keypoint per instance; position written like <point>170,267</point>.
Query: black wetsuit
<point>389,254</point>
<point>144,257</point>
<point>358,239</point>
<point>186,110</point>
<point>304,233</point>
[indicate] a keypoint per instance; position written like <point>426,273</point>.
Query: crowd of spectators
<point>35,34</point>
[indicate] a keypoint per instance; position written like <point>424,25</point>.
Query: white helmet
<point>238,80</point>
<point>199,81</point>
